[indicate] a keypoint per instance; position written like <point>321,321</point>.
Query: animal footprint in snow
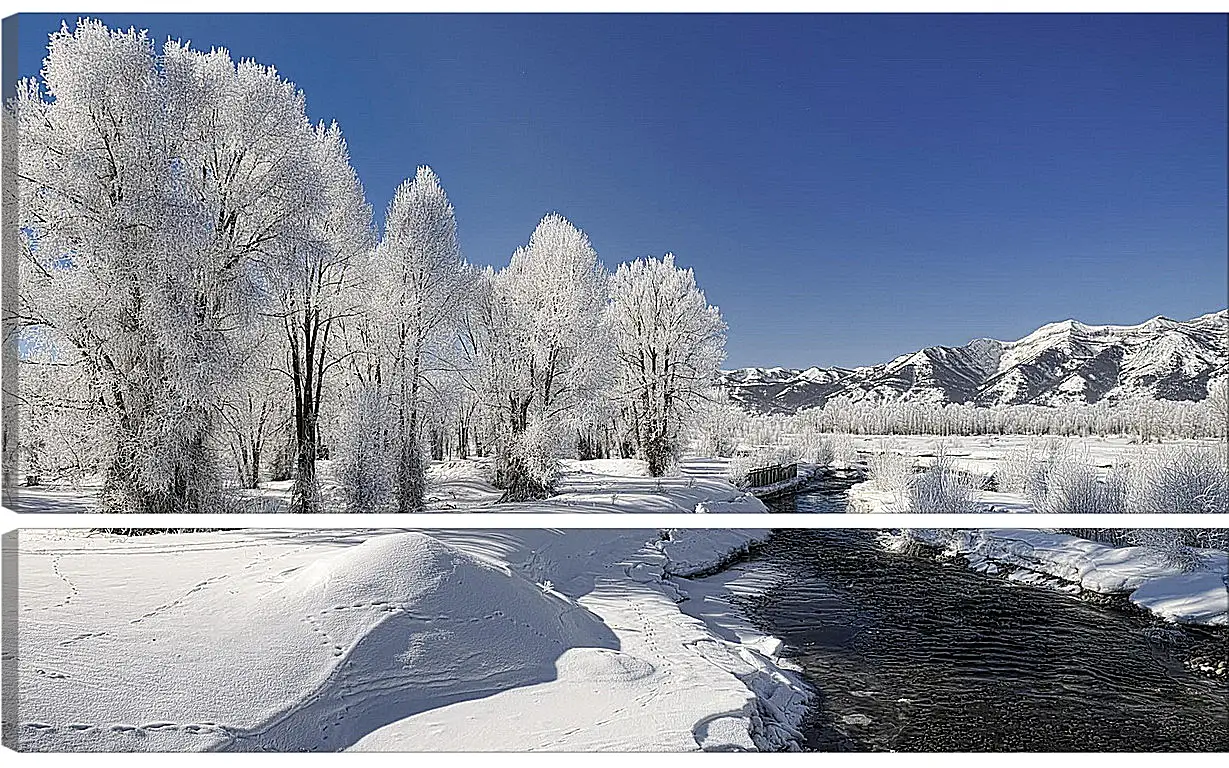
<point>40,726</point>
<point>125,728</point>
<point>159,726</point>
<point>51,674</point>
<point>80,727</point>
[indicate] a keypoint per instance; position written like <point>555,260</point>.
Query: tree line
<point>1144,420</point>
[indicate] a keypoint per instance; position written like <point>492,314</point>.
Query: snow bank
<point>1186,598</point>
<point>326,640</point>
<point>308,657</point>
<point>1143,574</point>
<point>783,696</point>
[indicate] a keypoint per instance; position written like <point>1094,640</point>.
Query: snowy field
<point>981,454</point>
<point>501,640</point>
<point>390,640</point>
<point>623,485</point>
<point>596,486</point>
<point>703,485</point>
<point>983,459</point>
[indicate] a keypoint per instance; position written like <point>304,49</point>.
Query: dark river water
<point>825,494</point>
<point>911,653</point>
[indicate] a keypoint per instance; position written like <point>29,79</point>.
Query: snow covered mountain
<point>1059,363</point>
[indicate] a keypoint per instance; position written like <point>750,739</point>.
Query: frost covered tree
<point>545,352</point>
<point>720,425</point>
<point>1218,399</point>
<point>140,253</point>
<point>423,285</point>
<point>670,344</point>
<point>261,190</point>
<point>163,198</point>
<point>321,284</point>
<point>100,263</point>
<point>58,416</point>
<point>366,447</point>
<point>253,410</point>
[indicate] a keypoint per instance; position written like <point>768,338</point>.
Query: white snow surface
<point>305,640</point>
<point>606,486</point>
<point>1143,574</point>
<point>980,457</point>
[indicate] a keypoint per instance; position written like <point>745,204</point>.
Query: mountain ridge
<point>1059,363</point>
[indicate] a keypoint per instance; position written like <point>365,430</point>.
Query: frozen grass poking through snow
<point>1027,470</point>
<point>939,487</point>
<point>1057,481</point>
<point>814,448</point>
<point>1177,546</point>
<point>1173,545</point>
<point>844,452</point>
<point>1073,487</point>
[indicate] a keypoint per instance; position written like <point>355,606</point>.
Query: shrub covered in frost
<point>814,448</point>
<point>888,470</point>
<point>1186,480</point>
<point>365,462</point>
<point>1074,487</point>
<point>738,469</point>
<point>1175,545</point>
<point>1027,471</point>
<point>941,488</point>
<point>528,467</point>
<point>844,452</point>
<point>1057,481</point>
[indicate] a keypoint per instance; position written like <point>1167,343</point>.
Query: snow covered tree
<point>123,264</point>
<point>366,449</point>
<point>670,344</point>
<point>720,425</point>
<point>1218,399</point>
<point>423,286</point>
<point>546,358</point>
<point>165,203</point>
<point>91,219</point>
<point>322,285</point>
<point>170,203</point>
<point>58,415</point>
<point>253,411</point>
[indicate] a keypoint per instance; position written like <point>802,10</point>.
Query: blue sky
<point>847,188</point>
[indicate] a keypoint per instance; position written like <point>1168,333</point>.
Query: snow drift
<point>328,640</point>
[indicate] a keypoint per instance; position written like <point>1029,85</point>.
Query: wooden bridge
<point>777,473</point>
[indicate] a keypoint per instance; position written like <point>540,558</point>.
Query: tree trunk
<point>303,498</point>
<point>120,492</point>
<point>511,472</point>
<point>411,474</point>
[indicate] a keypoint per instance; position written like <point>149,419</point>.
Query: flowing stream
<point>911,653</point>
<point>824,494</point>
